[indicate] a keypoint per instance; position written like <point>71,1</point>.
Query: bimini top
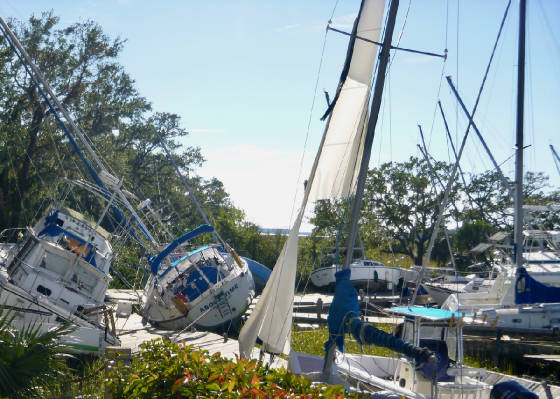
<point>432,314</point>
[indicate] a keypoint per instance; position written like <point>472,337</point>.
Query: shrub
<point>165,369</point>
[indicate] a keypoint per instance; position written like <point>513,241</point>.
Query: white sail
<point>331,176</point>
<point>271,320</point>
<point>338,163</point>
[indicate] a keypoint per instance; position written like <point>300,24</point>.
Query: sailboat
<point>58,270</point>
<point>209,287</point>
<point>430,363</point>
<point>525,297</point>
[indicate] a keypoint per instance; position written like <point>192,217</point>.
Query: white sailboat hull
<point>215,309</point>
<point>389,377</point>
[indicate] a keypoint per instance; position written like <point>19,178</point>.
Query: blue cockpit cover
<point>528,290</point>
<point>155,262</point>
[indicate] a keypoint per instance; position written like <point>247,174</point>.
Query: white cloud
<point>287,27</point>
<point>344,21</point>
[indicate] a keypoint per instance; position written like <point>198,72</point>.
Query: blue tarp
<point>195,284</point>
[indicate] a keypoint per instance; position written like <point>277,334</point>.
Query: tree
<point>403,203</point>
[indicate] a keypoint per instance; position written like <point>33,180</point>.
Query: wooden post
<point>319,308</point>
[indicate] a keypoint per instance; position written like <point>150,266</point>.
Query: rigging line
<point>457,74</point>
<point>402,29</point>
<point>302,159</point>
<point>455,152</point>
<point>463,142</point>
<point>446,22</point>
<point>333,11</point>
<point>409,50</point>
<point>549,26</point>
<point>471,116</point>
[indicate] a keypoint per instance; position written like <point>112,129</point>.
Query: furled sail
<point>342,147</point>
<point>331,176</point>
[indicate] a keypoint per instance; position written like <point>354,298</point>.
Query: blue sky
<point>242,74</point>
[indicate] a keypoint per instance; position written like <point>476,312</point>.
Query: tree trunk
<point>23,175</point>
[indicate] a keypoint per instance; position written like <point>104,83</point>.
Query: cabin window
<point>84,279</point>
<point>55,263</point>
<point>44,290</point>
<point>517,320</point>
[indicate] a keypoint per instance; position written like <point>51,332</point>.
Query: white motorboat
<point>368,274</point>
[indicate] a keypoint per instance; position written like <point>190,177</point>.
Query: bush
<point>30,360</point>
<point>165,369</point>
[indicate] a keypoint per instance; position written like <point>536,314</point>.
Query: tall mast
<point>373,116</point>
<point>518,216</point>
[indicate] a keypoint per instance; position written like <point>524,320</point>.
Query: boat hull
<point>218,309</point>
<point>86,337</point>
<point>371,278</point>
<point>383,376</point>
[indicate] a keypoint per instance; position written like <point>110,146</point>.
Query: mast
<point>104,177</point>
<point>184,181</point>
<point>370,133</point>
<point>518,215</point>
<point>364,163</point>
<point>555,157</point>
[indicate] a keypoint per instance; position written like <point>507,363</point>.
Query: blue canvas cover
<point>528,290</point>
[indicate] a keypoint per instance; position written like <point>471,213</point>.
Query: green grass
<point>313,341</point>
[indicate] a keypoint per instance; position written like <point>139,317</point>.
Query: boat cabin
<point>65,258</point>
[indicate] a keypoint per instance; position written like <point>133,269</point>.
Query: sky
<point>247,78</point>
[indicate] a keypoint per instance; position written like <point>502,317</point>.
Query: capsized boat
<point>59,272</point>
<point>208,288</point>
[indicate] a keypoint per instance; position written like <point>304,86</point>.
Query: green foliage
<point>401,205</point>
<point>471,234</point>
<point>29,360</point>
<point>165,369</point>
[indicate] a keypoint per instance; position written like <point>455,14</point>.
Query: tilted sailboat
<point>210,287</point>
<point>430,364</point>
<point>58,271</point>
